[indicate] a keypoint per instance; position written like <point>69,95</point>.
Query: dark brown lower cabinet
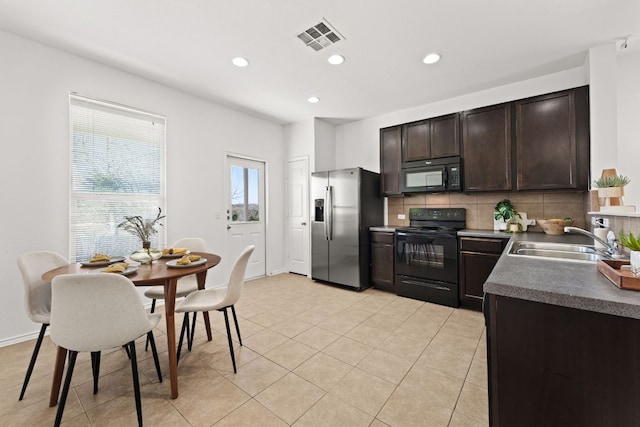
<point>558,366</point>
<point>382,273</point>
<point>478,256</point>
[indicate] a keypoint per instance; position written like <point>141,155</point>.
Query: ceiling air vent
<point>320,36</point>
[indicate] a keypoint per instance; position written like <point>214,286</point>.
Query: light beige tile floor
<point>313,355</point>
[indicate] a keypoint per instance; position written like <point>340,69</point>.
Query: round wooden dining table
<point>157,273</point>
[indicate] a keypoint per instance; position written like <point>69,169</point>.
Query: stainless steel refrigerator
<point>346,203</point>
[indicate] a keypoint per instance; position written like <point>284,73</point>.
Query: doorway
<point>298,216</point>
<point>246,211</point>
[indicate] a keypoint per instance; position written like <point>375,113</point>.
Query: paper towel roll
<point>601,233</point>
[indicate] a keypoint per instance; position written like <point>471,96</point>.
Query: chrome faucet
<point>610,244</point>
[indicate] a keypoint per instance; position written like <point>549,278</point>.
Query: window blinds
<point>117,159</point>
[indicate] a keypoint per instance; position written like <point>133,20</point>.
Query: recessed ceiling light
<point>431,58</point>
<point>313,99</point>
<point>336,59</point>
<point>239,61</point>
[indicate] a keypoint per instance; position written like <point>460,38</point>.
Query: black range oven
<point>426,255</point>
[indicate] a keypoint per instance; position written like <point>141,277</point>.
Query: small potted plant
<point>504,213</point>
<point>633,244</point>
<point>610,186</point>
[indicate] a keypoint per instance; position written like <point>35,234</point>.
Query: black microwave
<point>427,176</point>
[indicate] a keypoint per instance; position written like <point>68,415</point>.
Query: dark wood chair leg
<point>156,361</point>
<point>65,389</point>
<point>233,356</point>
<point>136,382</point>
<point>235,319</point>
<point>34,356</point>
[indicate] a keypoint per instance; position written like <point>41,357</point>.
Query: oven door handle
<point>426,285</point>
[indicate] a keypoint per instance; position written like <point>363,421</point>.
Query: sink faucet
<point>612,249</point>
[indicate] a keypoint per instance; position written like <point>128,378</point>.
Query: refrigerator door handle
<point>329,217</point>
<point>325,224</point>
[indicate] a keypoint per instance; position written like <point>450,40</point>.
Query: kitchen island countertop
<point>564,283</point>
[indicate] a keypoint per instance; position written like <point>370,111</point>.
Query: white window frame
<point>126,242</point>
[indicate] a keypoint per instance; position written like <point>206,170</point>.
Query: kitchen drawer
<point>484,245</point>
<point>424,290</point>
<point>382,237</point>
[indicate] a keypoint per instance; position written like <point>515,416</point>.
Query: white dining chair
<point>95,312</point>
<point>37,296</point>
<point>219,298</point>
<point>186,284</point>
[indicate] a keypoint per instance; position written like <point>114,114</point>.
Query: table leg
<point>169,307</point>
<point>58,369</point>
<point>202,277</point>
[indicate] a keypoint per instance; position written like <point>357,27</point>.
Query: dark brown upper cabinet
<point>552,141</point>
<point>486,145</point>
<point>390,160</point>
<point>431,139</point>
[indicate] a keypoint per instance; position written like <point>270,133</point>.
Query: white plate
<point>128,271</point>
<point>102,263</point>
<point>176,255</point>
<point>173,264</point>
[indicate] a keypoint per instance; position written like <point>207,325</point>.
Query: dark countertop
<point>384,228</point>
<point>467,232</point>
<point>564,283</point>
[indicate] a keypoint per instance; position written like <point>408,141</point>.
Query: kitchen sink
<point>557,251</point>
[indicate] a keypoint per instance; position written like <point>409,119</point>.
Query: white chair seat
<point>204,300</point>
<point>185,287</point>
<point>40,315</point>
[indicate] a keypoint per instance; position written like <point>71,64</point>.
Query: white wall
<point>299,140</point>
<point>628,129</point>
<point>603,107</point>
<point>325,145</point>
<point>35,82</point>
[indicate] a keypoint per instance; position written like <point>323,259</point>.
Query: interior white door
<point>246,212</point>
<point>298,216</point>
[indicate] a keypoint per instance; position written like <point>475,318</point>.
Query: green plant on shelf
<point>611,181</point>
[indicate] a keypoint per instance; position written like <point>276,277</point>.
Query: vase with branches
<point>143,229</point>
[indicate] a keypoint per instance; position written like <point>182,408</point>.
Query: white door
<point>245,212</point>
<point>298,216</point>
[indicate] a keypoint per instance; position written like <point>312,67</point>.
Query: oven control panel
<point>442,214</point>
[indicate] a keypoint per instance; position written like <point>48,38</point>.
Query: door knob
<point>228,227</point>
<point>304,223</point>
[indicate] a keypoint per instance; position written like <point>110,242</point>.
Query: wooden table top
<point>155,273</point>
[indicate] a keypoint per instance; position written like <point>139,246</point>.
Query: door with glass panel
<point>246,213</point>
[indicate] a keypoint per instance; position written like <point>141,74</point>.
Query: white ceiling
<point>188,44</point>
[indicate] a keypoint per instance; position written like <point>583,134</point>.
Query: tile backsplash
<point>620,223</point>
<point>538,205</point>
